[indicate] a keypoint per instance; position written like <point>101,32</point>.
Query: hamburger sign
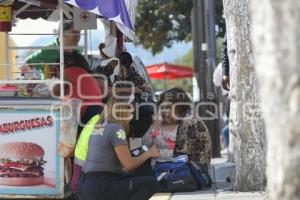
<point>27,124</point>
<point>29,162</point>
<point>21,164</point>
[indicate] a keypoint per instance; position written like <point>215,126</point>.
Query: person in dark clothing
<point>225,65</point>
<point>127,73</point>
<point>226,86</point>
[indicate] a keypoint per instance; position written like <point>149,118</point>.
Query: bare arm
<point>131,163</point>
<point>56,88</point>
<point>126,90</point>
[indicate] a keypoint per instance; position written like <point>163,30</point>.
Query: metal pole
<point>120,41</point>
<point>86,44</point>
<point>211,38</point>
<point>61,48</point>
<point>7,51</point>
<point>214,125</point>
<point>61,77</point>
<point>198,39</point>
<point>203,67</point>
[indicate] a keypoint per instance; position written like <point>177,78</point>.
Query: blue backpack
<point>181,176</point>
<point>175,176</point>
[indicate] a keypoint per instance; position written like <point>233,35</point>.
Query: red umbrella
<point>165,71</point>
<point>169,71</point>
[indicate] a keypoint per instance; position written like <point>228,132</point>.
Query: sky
<point>42,26</point>
<point>31,26</point>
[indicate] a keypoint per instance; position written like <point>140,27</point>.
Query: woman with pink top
<point>176,131</point>
<point>173,105</point>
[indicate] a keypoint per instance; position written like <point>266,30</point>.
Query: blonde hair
<point>119,111</point>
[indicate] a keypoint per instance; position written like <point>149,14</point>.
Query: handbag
<point>175,176</point>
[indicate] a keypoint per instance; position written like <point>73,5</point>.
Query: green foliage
<point>186,60</point>
<point>160,23</point>
<point>220,21</point>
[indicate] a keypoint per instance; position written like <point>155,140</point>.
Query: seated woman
<point>109,158</point>
<point>177,132</point>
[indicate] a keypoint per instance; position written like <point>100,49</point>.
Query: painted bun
<point>21,181</point>
<point>21,150</point>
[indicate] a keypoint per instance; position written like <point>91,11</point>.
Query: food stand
<point>36,133</point>
<point>29,126</point>
<point>32,122</point>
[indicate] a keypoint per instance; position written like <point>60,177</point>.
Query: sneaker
<point>225,151</point>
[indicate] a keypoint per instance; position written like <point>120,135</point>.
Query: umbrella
<point>114,10</point>
<point>169,71</point>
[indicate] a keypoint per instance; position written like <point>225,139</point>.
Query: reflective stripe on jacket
<point>81,148</point>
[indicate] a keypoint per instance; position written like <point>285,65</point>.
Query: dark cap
<point>125,59</point>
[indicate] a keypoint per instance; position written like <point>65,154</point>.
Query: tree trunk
<point>246,123</point>
<point>276,37</point>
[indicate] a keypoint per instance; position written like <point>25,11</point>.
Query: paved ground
<point>210,195</point>
<point>222,174</point>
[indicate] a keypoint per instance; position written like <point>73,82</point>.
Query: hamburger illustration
<point>21,164</point>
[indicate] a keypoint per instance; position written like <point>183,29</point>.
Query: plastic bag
<point>69,123</point>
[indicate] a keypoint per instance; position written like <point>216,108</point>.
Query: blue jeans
<point>225,135</point>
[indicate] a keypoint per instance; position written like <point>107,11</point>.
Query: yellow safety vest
<point>81,148</point>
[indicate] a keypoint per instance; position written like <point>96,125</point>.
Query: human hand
<point>153,152</point>
<point>137,90</point>
<point>154,134</point>
<point>146,88</point>
<point>226,82</point>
